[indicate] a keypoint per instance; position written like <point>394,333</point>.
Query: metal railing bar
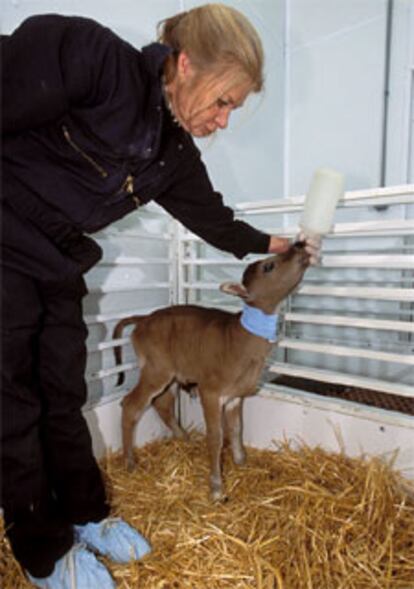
<point>134,234</point>
<point>132,261</point>
<point>388,193</point>
<point>105,372</point>
<point>107,345</point>
<point>387,262</point>
<point>104,317</point>
<point>105,289</point>
<point>376,293</point>
<point>389,313</point>
<point>358,322</point>
<point>386,294</point>
<point>345,351</point>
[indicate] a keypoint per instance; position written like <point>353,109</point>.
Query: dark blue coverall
<point>87,138</point>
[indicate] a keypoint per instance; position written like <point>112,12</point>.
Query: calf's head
<point>266,283</point>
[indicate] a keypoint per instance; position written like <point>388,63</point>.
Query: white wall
<point>400,151</point>
<point>336,62</point>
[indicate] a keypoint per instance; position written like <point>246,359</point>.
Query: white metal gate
<point>135,276</point>
<point>351,321</point>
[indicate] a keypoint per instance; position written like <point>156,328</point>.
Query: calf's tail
<point>117,334</point>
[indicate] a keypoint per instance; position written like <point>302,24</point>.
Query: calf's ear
<point>236,289</point>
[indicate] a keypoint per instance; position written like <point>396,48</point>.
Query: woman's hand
<point>278,245</point>
<point>312,246</point>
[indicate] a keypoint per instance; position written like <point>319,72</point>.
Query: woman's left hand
<point>312,246</point>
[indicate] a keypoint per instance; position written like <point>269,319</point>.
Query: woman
<point>93,129</point>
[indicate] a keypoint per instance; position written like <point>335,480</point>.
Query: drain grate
<point>356,394</point>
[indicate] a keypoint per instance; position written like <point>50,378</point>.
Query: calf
<point>218,353</point>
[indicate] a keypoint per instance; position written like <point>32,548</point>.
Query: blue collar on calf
<point>258,323</point>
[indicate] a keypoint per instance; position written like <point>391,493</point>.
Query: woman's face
<point>203,104</point>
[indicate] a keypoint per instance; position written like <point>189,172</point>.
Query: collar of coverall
<point>154,56</point>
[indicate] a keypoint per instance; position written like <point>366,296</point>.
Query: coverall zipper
<point>128,184</point>
<point>86,156</point>
<point>128,187</point>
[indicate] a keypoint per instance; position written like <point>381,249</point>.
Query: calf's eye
<point>268,267</point>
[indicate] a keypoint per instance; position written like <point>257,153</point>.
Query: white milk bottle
<point>326,188</point>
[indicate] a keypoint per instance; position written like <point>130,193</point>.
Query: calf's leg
<point>233,422</point>
<point>213,415</point>
<point>165,406</point>
<point>133,406</point>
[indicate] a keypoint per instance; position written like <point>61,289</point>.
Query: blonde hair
<point>218,39</point>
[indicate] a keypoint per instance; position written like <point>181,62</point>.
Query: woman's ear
<point>235,289</point>
<point>184,65</point>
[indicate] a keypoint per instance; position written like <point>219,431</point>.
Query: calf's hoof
<point>130,463</point>
<point>216,493</point>
<point>219,497</point>
<point>180,434</point>
<point>239,458</point>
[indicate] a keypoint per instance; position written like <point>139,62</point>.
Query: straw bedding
<point>296,518</point>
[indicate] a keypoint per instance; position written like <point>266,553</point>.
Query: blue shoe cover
<point>114,538</point>
<point>77,569</point>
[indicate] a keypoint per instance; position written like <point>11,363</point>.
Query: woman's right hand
<point>278,245</point>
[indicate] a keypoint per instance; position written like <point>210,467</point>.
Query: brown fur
<point>207,350</point>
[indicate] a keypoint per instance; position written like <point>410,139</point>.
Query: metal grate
<point>349,393</point>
